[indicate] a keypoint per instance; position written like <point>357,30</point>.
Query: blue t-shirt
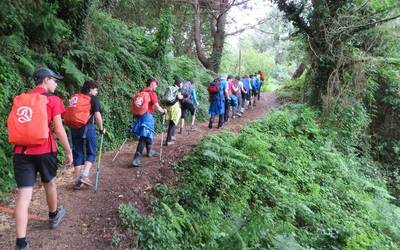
<point>223,86</point>
<point>246,84</point>
<point>255,83</point>
<point>194,97</point>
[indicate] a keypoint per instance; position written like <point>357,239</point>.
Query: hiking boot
<point>169,143</point>
<point>22,248</point>
<point>180,130</point>
<point>193,128</point>
<point>136,162</point>
<point>78,185</point>
<point>151,153</point>
<point>54,222</point>
<point>85,180</point>
<point>220,124</point>
<point>173,138</point>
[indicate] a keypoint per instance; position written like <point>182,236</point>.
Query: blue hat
<point>43,72</point>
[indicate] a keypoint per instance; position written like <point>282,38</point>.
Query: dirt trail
<point>91,219</point>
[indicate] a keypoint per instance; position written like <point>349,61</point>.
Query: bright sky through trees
<point>243,16</point>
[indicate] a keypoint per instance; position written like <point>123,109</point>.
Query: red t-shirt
<point>153,98</point>
<point>55,107</point>
<point>230,86</point>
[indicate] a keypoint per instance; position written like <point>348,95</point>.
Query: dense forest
<point>320,172</point>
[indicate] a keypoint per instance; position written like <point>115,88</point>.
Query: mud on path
<point>92,219</point>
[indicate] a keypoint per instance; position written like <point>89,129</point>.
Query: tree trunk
<point>219,37</point>
<point>197,38</point>
<point>299,71</point>
<point>217,32</point>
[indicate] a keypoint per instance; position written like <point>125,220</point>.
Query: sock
<point>85,173</point>
<point>21,242</point>
<point>53,214</point>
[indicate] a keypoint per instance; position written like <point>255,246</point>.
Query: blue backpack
<point>186,91</point>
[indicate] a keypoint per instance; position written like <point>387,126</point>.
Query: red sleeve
<point>153,98</point>
<point>56,106</point>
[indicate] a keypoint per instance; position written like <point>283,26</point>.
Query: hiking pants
<point>227,107</point>
<point>220,121</point>
<point>143,142</point>
<point>238,107</point>
<point>240,101</point>
<point>84,139</point>
<point>171,131</point>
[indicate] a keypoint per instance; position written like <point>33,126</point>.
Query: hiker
<point>261,76</point>
<point>32,154</point>
<point>237,92</point>
<point>83,135</point>
<point>226,80</point>
<point>144,124</point>
<point>240,86</point>
<point>233,100</point>
<point>246,94</point>
<point>173,114</point>
<point>217,91</point>
<point>255,85</point>
<point>188,103</point>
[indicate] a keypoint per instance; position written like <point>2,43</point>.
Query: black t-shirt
<point>95,107</point>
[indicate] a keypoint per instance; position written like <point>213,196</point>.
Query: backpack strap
<point>47,94</point>
<point>91,115</point>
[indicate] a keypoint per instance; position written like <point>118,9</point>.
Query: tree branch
<point>247,27</point>
<point>197,36</point>
<point>292,13</point>
<point>359,28</point>
<point>183,1</point>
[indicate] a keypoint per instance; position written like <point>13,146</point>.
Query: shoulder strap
<point>47,94</point>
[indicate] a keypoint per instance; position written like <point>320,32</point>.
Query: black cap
<point>43,72</point>
<point>178,80</point>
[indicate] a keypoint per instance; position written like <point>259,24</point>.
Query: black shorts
<point>27,166</point>
<point>245,96</point>
<point>187,107</point>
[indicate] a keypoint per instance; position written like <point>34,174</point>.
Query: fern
<point>72,72</point>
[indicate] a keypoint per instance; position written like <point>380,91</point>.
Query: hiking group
<point>34,115</point>
<point>233,93</point>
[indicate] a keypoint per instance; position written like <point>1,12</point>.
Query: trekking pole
<point>162,137</point>
<point>98,165</point>
<point>123,143</point>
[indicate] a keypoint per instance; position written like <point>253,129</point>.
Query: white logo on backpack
<point>73,101</point>
<point>24,114</point>
<point>139,101</point>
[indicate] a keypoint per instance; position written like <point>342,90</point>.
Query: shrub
<point>280,183</point>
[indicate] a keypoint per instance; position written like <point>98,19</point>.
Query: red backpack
<point>262,76</point>
<point>213,88</point>
<point>27,122</point>
<point>140,103</point>
<point>77,113</point>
